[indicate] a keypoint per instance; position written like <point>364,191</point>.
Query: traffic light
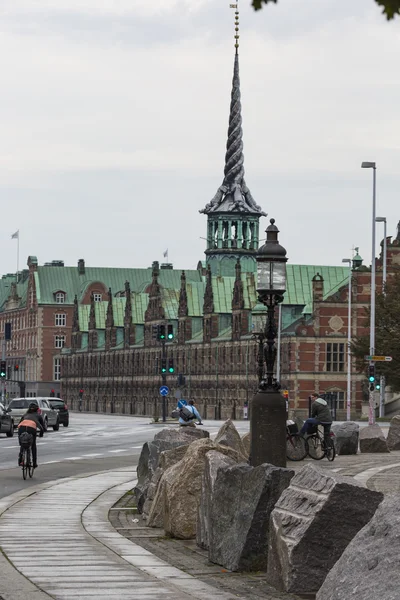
<point>371,377</point>
<point>163,365</point>
<point>378,385</point>
<point>80,393</point>
<point>7,331</point>
<point>171,365</point>
<point>16,367</point>
<point>3,367</point>
<point>52,394</point>
<point>161,332</point>
<point>170,332</point>
<point>155,333</point>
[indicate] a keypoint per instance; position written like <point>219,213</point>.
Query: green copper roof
<point>299,281</point>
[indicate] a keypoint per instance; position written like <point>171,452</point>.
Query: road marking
<point>123,450</point>
<point>137,446</point>
<point>73,458</point>
<point>7,447</point>
<point>85,455</point>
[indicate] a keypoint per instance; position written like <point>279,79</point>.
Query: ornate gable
<point>208,306</point>
<point>183,301</point>
<point>155,310</point>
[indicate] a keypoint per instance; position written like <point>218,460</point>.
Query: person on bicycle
<point>320,415</point>
<point>190,422</point>
<point>30,423</point>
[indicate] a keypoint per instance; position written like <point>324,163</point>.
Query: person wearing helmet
<point>30,423</point>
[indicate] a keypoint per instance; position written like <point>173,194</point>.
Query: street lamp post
<point>268,407</point>
<point>348,401</point>
<point>384,269</point>
<point>372,165</point>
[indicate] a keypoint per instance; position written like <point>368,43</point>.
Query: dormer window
<point>97,297</point>
<point>60,297</point>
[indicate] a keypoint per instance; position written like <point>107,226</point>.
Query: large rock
<point>372,439</point>
<point>346,437</point>
<point>246,443</point>
<point>213,462</point>
<point>178,493</point>
<point>313,521</point>
<point>229,436</point>
<point>166,439</point>
<point>393,438</point>
<point>369,567</point>
<point>242,502</point>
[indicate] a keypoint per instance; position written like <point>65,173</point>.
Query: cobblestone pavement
<point>379,472</point>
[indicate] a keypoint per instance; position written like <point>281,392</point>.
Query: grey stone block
<point>393,438</point>
<point>369,567</point>
<point>372,439</point>
<point>246,443</point>
<point>213,462</point>
<point>313,522</point>
<point>229,436</point>
<point>242,502</point>
<point>346,437</point>
<point>166,439</point>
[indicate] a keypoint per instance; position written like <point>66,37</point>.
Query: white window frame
<point>57,369</point>
<point>59,341</point>
<point>97,297</point>
<point>60,298</point>
<point>60,320</point>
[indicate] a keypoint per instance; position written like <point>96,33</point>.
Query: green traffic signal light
<point>170,332</point>
<point>171,369</point>
<point>372,379</point>
<point>163,370</point>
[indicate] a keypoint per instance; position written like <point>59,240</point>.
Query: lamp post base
<point>268,429</point>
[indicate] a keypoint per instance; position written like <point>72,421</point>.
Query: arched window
<point>59,297</point>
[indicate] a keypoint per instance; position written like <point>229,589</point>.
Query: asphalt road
<point>91,443</point>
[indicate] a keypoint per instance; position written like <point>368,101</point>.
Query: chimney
<point>81,266</point>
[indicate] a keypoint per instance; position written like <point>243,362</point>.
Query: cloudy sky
<point>114,116</point>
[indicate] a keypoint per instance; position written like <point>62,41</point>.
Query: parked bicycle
<point>26,440</point>
<point>321,444</point>
<point>296,444</point>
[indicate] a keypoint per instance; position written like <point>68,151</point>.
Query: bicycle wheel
<point>330,450</point>
<point>30,463</point>
<point>315,449</point>
<point>296,447</point>
<point>24,463</point>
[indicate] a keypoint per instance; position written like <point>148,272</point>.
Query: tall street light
<point>372,165</point>
<point>268,407</point>
<point>384,269</point>
<point>348,401</point>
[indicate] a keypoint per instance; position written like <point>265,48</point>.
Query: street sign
<point>378,358</point>
<point>178,394</point>
<point>164,390</point>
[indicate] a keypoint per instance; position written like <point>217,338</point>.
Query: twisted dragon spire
<point>233,195</point>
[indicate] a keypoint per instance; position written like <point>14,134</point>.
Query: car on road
<point>63,412</point>
<point>18,407</point>
<point>6,422</point>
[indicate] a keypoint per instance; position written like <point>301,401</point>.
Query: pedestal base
<point>268,429</point>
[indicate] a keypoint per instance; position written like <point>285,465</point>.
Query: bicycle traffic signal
<point>171,365</point>
<point>163,365</point>
<point>170,330</point>
<point>3,367</point>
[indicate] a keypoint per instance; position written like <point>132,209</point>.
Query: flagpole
<point>17,255</point>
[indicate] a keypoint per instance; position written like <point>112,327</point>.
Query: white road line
<point>7,447</point>
<point>137,446</point>
<point>123,450</point>
<point>87,455</point>
<point>73,458</point>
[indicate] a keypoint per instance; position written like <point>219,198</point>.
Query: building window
<point>60,297</point>
<point>335,357</point>
<point>61,320</point>
<point>97,297</point>
<point>59,341</point>
<point>57,369</point>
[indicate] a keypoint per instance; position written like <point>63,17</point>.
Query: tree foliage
<point>391,8</point>
<point>387,334</point>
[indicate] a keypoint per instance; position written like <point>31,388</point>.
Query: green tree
<point>391,8</point>
<point>387,334</point>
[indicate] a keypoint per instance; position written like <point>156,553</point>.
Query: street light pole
<point>348,402</point>
<point>268,407</point>
<point>382,380</point>
<point>372,165</point>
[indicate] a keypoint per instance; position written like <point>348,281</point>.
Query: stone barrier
<point>229,436</point>
<point>372,439</point>
<point>313,522</point>
<point>393,438</point>
<point>369,567</point>
<point>240,503</point>
<point>346,437</point>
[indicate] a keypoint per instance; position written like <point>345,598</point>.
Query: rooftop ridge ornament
<point>234,195</point>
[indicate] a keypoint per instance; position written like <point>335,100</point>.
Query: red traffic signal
<point>16,367</point>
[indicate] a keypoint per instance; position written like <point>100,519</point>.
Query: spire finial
<point>236,26</point>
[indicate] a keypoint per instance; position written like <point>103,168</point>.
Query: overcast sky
<point>114,117</point>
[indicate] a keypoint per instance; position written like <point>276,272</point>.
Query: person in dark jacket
<point>320,414</point>
<point>30,423</point>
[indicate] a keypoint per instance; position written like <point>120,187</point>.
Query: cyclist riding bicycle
<point>320,415</point>
<point>30,423</point>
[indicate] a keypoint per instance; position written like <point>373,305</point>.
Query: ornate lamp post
<point>268,407</point>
